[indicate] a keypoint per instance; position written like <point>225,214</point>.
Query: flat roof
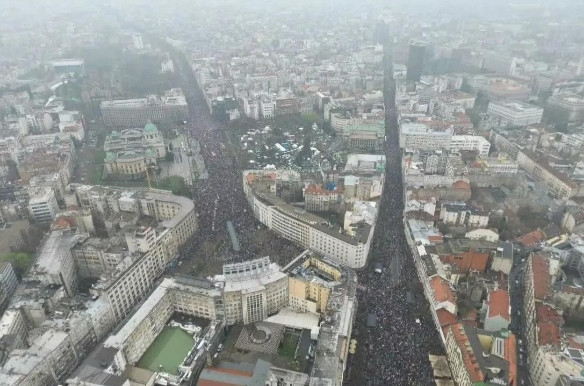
<point>294,319</point>
<point>55,250</point>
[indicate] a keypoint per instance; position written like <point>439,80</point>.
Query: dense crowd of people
<point>395,351</point>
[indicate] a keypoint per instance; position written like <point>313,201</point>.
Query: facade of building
<point>470,143</point>
<point>306,229</point>
<point>42,204</point>
<point>319,199</point>
<point>497,311</point>
<point>463,214</point>
<point>551,367</point>
<point>558,184</point>
<point>418,136</point>
<point>514,113</point>
<point>8,281</point>
<point>168,109</point>
<point>481,357</point>
<point>416,58</point>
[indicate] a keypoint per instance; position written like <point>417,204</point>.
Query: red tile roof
<point>499,304</point>
<point>468,261</point>
<point>548,325</point>
<point>442,291</point>
<point>511,357</point>
<point>461,185</point>
<point>320,191</point>
<point>542,285</point>
<point>531,238</point>
<point>474,372</point>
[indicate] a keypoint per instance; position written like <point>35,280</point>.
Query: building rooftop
<point>542,285</point>
<point>499,304</point>
<point>548,325</point>
<point>54,250</point>
<point>442,291</point>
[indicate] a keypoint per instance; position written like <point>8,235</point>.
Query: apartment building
<point>464,214</point>
<point>558,184</point>
<point>569,106</point>
<point>470,143</point>
<point>168,109</point>
<point>497,311</point>
<point>481,357</point>
<point>418,136</point>
<point>321,199</point>
<point>561,368</point>
<point>311,231</point>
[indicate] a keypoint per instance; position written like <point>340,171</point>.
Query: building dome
<point>150,128</point>
<point>461,185</point>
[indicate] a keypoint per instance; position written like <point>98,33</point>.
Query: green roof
<point>150,128</point>
<point>109,157</point>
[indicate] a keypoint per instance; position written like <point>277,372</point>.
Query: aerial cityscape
<point>292,193</point>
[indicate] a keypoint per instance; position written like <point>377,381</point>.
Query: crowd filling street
<point>220,197</point>
<point>395,351</point>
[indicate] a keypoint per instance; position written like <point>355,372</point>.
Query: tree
<point>20,261</point>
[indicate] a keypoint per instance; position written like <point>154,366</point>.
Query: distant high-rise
<point>137,41</point>
<point>415,62</point>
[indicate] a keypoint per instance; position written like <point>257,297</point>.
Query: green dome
<point>109,157</point>
<point>114,133</point>
<point>149,152</point>
<point>150,128</point>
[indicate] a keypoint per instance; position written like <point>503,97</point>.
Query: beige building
<point>559,185</point>
<point>308,291</point>
<point>551,367</point>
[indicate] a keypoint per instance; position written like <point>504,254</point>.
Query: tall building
<point>42,204</point>
<point>137,41</point>
<point>415,61</point>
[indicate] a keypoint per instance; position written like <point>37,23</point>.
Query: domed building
<point>129,151</point>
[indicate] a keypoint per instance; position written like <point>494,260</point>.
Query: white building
<point>137,41</point>
<point>557,368</point>
<point>482,234</point>
<point>168,109</point>
<point>167,65</point>
<point>470,143</point>
<point>42,204</point>
<point>462,214</point>
<point>268,108</point>
<point>514,113</point>
<point>253,290</point>
<point>497,311</point>
<point>308,230</point>
<point>418,136</point>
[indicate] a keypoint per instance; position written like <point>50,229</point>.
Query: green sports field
<point>168,349</point>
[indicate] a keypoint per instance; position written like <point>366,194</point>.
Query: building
<point>8,282</point>
<point>568,108</point>
<point>310,285</point>
<point>42,204</point>
<point>416,58</point>
<point>304,228</point>
<point>463,214</point>
<point>514,113</point>
<point>558,184</point>
<point>320,199</point>
<point>137,41</point>
<point>169,109</point>
<point>68,66</point>
<point>470,143</point>
<point>563,368</point>
<point>54,264</point>
<point>253,290</point>
<point>442,295</point>
<point>130,151</point>
<point>417,136</point>
<point>483,234</point>
<point>503,259</point>
<point>497,311</point>
<point>481,357</point>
